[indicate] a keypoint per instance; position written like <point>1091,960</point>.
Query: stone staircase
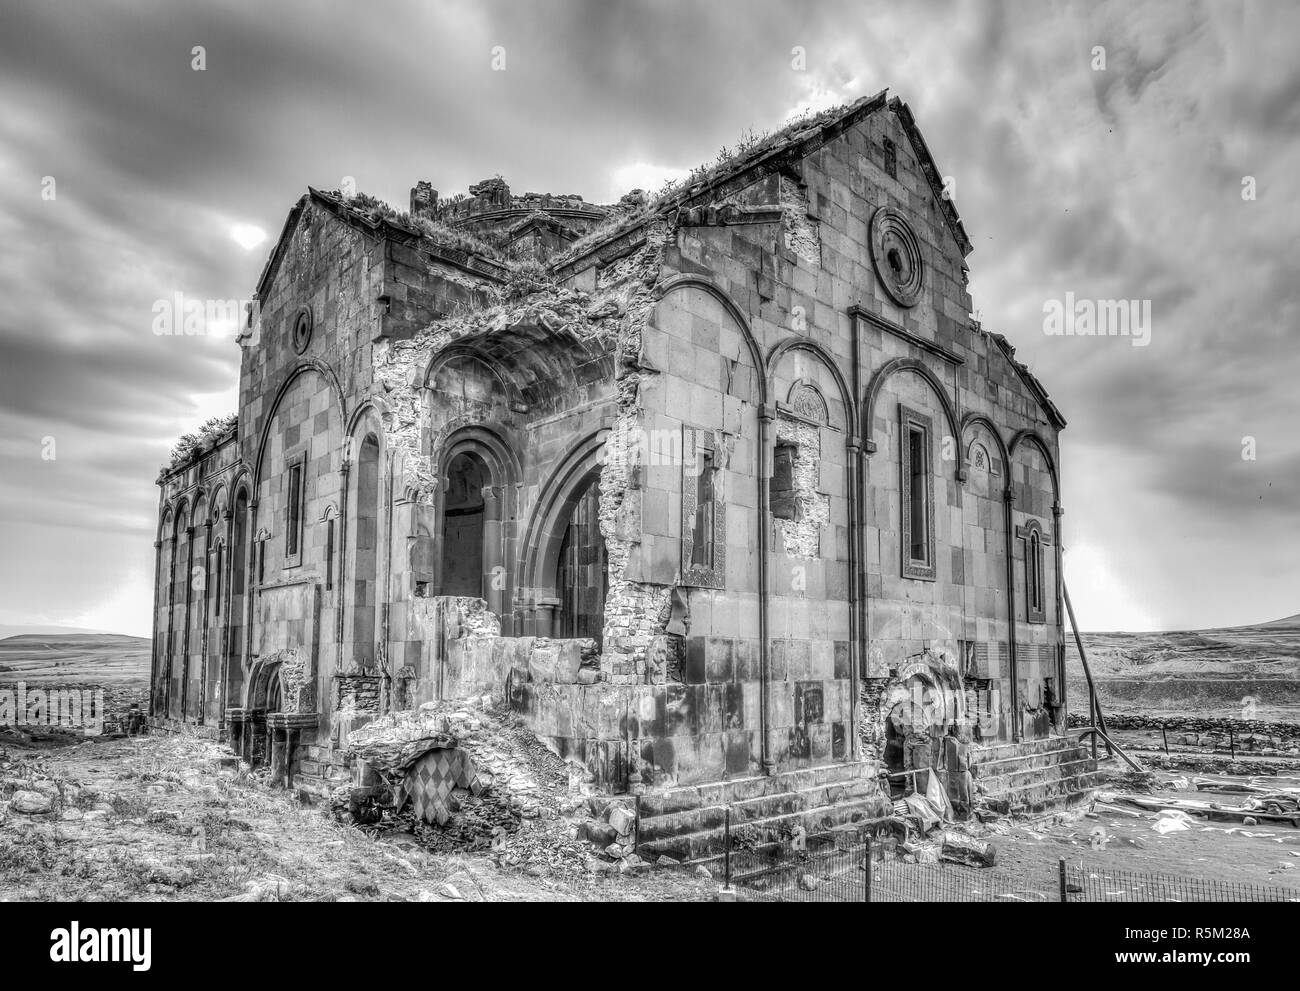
<point>1034,777</point>
<point>689,823</point>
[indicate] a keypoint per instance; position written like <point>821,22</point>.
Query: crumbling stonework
<point>705,485</point>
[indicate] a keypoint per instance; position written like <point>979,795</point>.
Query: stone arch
<point>303,368</point>
<point>539,551</point>
<point>219,502</point>
<point>975,425</point>
<point>679,282</point>
<point>1032,438</point>
<point>457,351</point>
<point>372,411</point>
<point>501,470</point>
<point>499,455</point>
<point>898,365</point>
<point>264,691</point>
<point>845,397</point>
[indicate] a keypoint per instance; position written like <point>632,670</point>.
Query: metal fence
<point>1090,884</point>
<point>836,870</point>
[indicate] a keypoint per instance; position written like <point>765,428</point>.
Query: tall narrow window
<point>1035,580</point>
<point>917,495</point>
<point>329,555</point>
<point>702,536</point>
<point>294,520</point>
<point>261,562</point>
<point>704,511</point>
<point>891,159</point>
<point>217,584</point>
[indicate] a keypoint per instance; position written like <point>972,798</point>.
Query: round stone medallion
<point>897,256</point>
<point>302,331</point>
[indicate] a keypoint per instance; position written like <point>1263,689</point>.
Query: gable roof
<point>1034,386</point>
<point>385,224</point>
<point>782,151</point>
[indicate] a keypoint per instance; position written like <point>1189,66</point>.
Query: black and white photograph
<point>570,452</point>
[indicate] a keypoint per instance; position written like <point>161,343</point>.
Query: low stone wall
<point>1281,733</point>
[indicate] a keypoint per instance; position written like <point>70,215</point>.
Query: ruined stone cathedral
<point>716,486</point>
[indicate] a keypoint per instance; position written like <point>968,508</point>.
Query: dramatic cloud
<point>1117,183</point>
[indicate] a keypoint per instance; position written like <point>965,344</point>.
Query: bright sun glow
<point>247,236</point>
<point>1102,602</point>
<point>642,175</point>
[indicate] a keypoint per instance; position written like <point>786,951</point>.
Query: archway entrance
<point>463,521</point>
<point>582,578</point>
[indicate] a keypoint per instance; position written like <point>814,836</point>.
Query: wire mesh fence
<point>835,869</point>
<point>1090,884</point>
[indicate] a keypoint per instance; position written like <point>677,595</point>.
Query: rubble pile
<point>526,811</point>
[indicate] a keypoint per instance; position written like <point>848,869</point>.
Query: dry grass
<point>165,818</point>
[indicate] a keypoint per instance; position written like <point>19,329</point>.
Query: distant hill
<point>1214,672</point>
<point>20,631</point>
<point>92,658</point>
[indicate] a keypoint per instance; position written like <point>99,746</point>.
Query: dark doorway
<point>583,579</point>
<point>463,517</point>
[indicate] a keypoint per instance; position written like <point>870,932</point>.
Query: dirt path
<point>173,818</point>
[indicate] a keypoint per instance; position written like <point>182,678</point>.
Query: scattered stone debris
<point>958,848</point>
<point>519,802</point>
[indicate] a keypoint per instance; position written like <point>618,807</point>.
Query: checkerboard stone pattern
<point>430,780</point>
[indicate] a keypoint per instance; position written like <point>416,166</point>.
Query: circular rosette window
<point>897,256</point>
<point>302,331</point>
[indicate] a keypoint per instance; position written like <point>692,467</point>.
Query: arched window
<point>1035,582</point>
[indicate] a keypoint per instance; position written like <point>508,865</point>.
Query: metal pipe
<point>765,416</point>
<point>153,647</point>
<point>1098,720</point>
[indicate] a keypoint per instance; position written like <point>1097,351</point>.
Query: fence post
<point>726,849</point>
<point>1064,896</point>
<point>866,884</point>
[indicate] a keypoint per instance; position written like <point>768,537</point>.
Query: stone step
<point>1043,795</point>
<point>707,845</point>
<point>1056,803</point>
<point>996,784</point>
<point>752,809</point>
<point>686,798</point>
<point>1000,751</point>
<point>1024,762</point>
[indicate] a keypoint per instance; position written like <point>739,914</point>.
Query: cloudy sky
<point>1117,182</point>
